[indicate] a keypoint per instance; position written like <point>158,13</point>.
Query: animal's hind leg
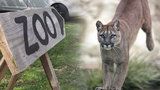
<point>146,27</point>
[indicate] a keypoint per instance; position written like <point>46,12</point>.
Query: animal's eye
<point>113,35</point>
<point>102,35</point>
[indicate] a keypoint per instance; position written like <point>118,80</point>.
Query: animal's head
<point>108,35</point>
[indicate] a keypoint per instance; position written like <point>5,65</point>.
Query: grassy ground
<point>64,58</point>
<point>141,76</point>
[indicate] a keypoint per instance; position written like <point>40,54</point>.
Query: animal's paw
<point>114,88</point>
<point>100,88</point>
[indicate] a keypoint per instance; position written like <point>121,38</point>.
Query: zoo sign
<point>28,34</point>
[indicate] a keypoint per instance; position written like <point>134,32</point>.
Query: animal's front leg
<point>108,68</point>
<point>120,75</point>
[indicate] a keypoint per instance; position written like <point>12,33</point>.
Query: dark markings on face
<point>108,35</point>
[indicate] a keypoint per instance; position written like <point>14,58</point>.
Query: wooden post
<point>49,70</point>
<point>6,52</point>
<point>3,68</point>
<point>13,81</point>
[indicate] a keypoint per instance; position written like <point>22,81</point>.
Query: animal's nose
<point>107,43</point>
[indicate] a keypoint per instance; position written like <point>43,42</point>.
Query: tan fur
<point>132,15</point>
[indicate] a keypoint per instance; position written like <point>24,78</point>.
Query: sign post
<point>26,36</point>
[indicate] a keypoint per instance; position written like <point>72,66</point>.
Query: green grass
<point>93,78</point>
<point>64,57</point>
<point>141,76</point>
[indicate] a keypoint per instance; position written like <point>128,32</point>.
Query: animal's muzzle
<point>107,45</point>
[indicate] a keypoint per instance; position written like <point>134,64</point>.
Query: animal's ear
<point>116,25</point>
<point>99,25</point>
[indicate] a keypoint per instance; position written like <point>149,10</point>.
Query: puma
<point>117,37</point>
